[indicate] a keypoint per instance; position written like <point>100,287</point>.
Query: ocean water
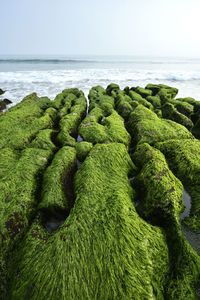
<point>49,75</point>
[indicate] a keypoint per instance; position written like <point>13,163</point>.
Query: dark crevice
<point>52,222</point>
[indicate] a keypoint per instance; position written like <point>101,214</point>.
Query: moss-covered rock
<point>184,159</point>
<point>160,198</point>
<point>1,92</point>
<point>143,92</point>
<point>155,101</point>
<point>160,191</point>
<point>57,186</point>
<point>156,88</point>
<point>96,128</point>
<point>44,140</point>
<point>146,127</point>
<point>104,250</point>
<point>19,187</point>
<point>112,88</point>
<point>82,149</point>
<point>137,97</point>
<point>170,112</point>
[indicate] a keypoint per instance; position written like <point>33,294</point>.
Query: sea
<point>49,75</point>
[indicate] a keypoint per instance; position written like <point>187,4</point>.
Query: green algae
<point>137,97</point>
<point>71,118</point>
<point>160,190</point>
<point>18,201</point>
<point>56,186</point>
<point>184,159</point>
<point>143,92</point>
<point>146,127</point>
<point>95,92</point>
<point>104,250</point>
<point>44,140</point>
<point>97,128</point>
<point>20,124</point>
<point>165,90</point>
<point>112,89</point>
<point>161,201</point>
<point>124,105</point>
<point>83,149</point>
<point>155,101</point>
<point>170,112</point>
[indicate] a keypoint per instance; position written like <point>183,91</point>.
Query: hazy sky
<point>133,27</point>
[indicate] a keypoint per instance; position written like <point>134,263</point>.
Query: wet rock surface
<point>93,198</point>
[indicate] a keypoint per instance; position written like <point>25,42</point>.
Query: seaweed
<point>184,159</point>
<point>104,250</point>
<point>57,188</point>
<point>146,127</point>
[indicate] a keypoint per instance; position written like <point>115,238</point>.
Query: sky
<point>103,27</point>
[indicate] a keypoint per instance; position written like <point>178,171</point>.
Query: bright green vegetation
<point>99,128</point>
<point>146,127</point>
<point>57,184</point>
<point>82,149</point>
<point>80,217</point>
<point>44,140</point>
<point>72,114</point>
<point>104,250</point>
<point>160,200</point>
<point>162,89</point>
<point>21,123</point>
<point>170,112</point>
<point>19,190</point>
<point>160,190</point>
<point>138,98</point>
<point>184,159</point>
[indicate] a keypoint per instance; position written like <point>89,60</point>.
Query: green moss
<point>56,190</point>
<point>44,140</point>
<point>184,159</point>
<point>18,200</point>
<point>8,158</point>
<point>155,101</point>
<point>161,202</point>
<point>112,89</point>
<point>52,112</point>
<point>58,101</point>
<point>104,250</point>
<point>78,93</point>
<point>156,88</point>
<point>95,92</point>
<point>143,92</point>
<point>160,191</point>
<point>170,112</point>
<point>124,105</point>
<point>99,129</point>
<point>137,97</point>
<point>82,149</point>
<point>184,108</point>
<point>146,127</point>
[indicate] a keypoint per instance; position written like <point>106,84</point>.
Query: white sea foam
<point>48,80</point>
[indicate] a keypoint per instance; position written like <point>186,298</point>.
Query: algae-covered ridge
<point>91,197</point>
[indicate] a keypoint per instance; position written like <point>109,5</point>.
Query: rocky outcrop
<point>91,202</point>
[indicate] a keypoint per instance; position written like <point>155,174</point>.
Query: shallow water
<point>53,223</point>
<point>187,204</point>
<point>192,237</point>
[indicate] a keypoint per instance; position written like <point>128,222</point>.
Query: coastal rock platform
<point>91,196</point>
